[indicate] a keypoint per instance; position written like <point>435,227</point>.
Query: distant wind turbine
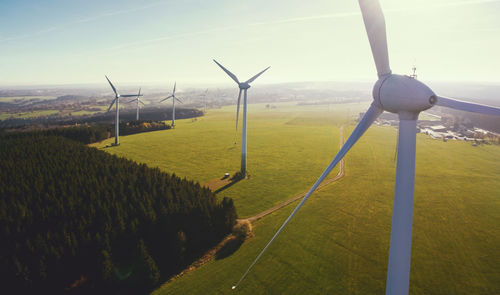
<point>117,101</point>
<point>204,94</point>
<point>174,98</point>
<point>243,87</point>
<point>138,100</point>
<point>407,97</point>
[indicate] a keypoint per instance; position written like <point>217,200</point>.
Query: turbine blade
<point>373,18</point>
<point>370,116</point>
<point>128,95</point>
<point>398,271</point>
<point>111,105</point>
<point>133,100</point>
<point>112,86</point>
<point>238,108</point>
<point>228,72</point>
<point>467,106</point>
<point>166,98</point>
<point>139,93</point>
<point>141,102</point>
<point>179,100</point>
<point>173,92</point>
<point>256,76</point>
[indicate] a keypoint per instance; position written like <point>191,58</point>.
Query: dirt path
<point>301,195</point>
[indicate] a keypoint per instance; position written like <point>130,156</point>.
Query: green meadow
<point>338,243</point>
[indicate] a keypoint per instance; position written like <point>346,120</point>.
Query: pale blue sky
<point>68,42</point>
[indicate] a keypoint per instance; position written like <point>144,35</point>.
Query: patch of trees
<point>74,219</point>
<point>94,133</point>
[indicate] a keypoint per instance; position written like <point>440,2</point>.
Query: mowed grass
<point>338,243</point>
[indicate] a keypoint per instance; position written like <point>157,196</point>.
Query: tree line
<point>94,133</point>
<point>74,219</point>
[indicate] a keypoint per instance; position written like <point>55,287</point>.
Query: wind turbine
<point>174,98</point>
<point>204,94</point>
<point>243,87</point>
<point>138,100</point>
<point>407,97</point>
<point>117,101</point>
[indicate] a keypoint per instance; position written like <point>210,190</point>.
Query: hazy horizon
<point>142,42</point>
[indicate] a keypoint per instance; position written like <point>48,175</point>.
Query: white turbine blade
<point>398,271</point>
<point>112,86</point>
<point>370,116</point>
<point>178,100</point>
<point>135,99</point>
<point>111,105</point>
<point>173,92</point>
<point>238,108</point>
<point>141,102</point>
<point>128,95</point>
<point>373,18</point>
<point>256,76</point>
<point>467,106</point>
<point>166,98</point>
<point>139,93</point>
<point>228,72</point>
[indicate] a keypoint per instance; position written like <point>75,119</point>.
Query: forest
<point>75,220</point>
<point>92,133</point>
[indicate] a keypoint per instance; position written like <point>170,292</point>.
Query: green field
<point>338,243</point>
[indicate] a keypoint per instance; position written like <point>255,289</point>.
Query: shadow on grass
<point>228,249</point>
<point>234,179</point>
<point>227,185</point>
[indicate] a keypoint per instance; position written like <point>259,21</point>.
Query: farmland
<point>338,243</point>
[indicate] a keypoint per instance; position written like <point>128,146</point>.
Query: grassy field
<point>287,149</point>
<point>338,243</point>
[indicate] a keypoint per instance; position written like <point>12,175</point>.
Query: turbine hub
<point>244,85</point>
<point>402,94</point>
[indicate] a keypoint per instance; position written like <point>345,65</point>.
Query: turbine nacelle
<point>402,94</point>
<point>243,85</point>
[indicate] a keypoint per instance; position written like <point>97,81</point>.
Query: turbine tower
<point>243,87</point>
<point>174,98</point>
<point>138,100</point>
<point>117,101</point>
<point>406,97</point>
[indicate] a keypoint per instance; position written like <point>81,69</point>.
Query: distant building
<point>438,128</point>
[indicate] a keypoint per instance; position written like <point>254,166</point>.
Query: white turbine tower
<point>117,101</point>
<point>243,87</point>
<point>174,98</point>
<point>138,100</point>
<point>407,97</point>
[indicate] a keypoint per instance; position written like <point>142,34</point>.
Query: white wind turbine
<point>138,100</point>
<point>407,97</point>
<point>243,87</point>
<point>117,101</point>
<point>174,98</point>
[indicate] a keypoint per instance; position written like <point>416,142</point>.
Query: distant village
<point>446,127</point>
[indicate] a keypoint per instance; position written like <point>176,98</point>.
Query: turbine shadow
<point>227,186</point>
<point>235,179</point>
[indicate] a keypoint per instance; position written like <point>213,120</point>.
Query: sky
<point>58,42</point>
